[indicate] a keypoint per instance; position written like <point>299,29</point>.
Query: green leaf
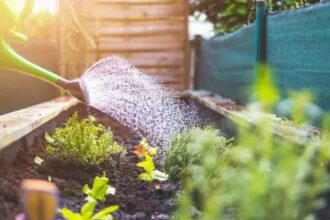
<point>99,190</point>
<point>104,214</point>
<point>69,215</point>
<point>146,177</point>
<point>88,209</point>
<point>147,165</point>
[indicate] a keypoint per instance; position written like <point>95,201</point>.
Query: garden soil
<point>137,199</point>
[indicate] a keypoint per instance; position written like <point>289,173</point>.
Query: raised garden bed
<point>137,199</point>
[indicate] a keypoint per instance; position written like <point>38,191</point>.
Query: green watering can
<point>10,60</point>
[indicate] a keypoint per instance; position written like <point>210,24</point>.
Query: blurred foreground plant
<point>260,176</point>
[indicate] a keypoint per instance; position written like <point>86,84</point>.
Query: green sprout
<point>150,173</point>
<point>98,193</point>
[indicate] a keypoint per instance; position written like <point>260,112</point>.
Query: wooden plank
<point>164,70</point>
<point>15,125</point>
<point>152,59</point>
<point>129,27</point>
<point>137,1</point>
<point>156,61</point>
<point>116,11</point>
<point>167,79</point>
<point>298,133</point>
<point>177,54</point>
<point>142,46</point>
<point>146,39</point>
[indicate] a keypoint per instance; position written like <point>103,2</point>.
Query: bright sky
<point>42,5</point>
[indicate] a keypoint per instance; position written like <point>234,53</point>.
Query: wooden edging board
<point>285,129</point>
<point>17,124</point>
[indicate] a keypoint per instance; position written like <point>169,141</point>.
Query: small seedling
<point>144,148</point>
<point>96,194</point>
<point>83,142</point>
<point>151,173</point>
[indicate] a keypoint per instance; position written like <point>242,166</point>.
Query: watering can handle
<point>11,19</point>
<point>10,60</point>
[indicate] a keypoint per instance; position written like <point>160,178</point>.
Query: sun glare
<point>42,5</point>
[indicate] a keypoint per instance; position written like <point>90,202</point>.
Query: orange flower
<point>140,151</point>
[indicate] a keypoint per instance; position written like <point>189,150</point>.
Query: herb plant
<point>82,141</point>
<point>187,148</point>
<point>150,173</point>
<point>98,193</point>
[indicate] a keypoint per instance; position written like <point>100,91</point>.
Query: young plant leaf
<point>150,173</point>
<point>88,208</point>
<point>69,215</point>
<point>97,193</point>
<point>104,214</point>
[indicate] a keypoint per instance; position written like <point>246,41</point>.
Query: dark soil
<point>137,199</point>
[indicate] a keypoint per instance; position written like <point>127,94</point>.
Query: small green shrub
<point>97,194</point>
<point>84,142</point>
<point>187,148</point>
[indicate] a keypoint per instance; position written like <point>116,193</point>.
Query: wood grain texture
<point>150,34</point>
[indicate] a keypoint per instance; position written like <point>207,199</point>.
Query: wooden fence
<point>151,34</point>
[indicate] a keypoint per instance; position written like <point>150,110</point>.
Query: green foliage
<point>82,141</point>
<point>150,173</point>
<point>100,189</point>
<point>229,15</point>
<point>187,148</point>
<point>260,176</point>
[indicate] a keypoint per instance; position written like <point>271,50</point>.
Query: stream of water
<point>136,100</point>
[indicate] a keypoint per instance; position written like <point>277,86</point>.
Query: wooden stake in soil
<point>40,199</point>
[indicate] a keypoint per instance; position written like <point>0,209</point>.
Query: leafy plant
<point>82,141</point>
<point>259,177</point>
<point>144,148</point>
<point>98,193</point>
<point>187,148</point>
<point>150,173</point>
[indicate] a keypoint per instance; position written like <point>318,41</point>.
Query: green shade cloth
<point>298,52</point>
